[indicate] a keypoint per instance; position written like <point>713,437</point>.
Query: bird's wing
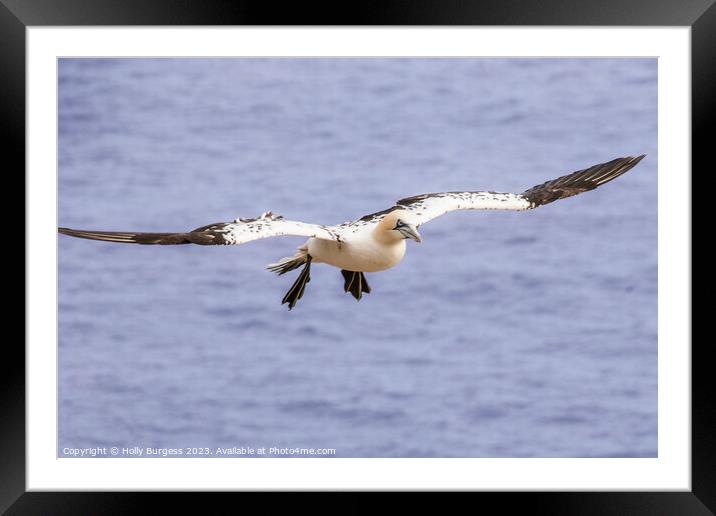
<point>429,206</point>
<point>237,232</point>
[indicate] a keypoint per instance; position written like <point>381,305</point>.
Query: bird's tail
<point>290,263</point>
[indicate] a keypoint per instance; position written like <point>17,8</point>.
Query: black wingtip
<point>580,181</point>
<point>123,237</point>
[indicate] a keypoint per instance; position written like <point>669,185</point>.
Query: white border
<point>670,471</point>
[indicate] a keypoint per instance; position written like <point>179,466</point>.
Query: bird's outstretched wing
<point>237,232</point>
<point>426,207</point>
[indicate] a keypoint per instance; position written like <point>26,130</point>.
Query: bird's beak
<point>410,232</point>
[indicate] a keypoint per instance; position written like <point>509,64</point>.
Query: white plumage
<point>375,242</point>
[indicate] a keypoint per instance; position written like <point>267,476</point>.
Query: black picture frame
<point>17,15</point>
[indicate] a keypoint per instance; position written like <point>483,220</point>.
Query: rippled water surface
<point>501,335</point>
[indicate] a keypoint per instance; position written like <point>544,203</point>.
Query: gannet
<point>375,242</point>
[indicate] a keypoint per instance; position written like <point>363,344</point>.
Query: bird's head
<point>397,225</point>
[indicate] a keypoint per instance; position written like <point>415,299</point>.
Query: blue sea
<point>504,334</point>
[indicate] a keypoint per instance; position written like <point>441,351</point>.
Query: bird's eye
<point>399,224</point>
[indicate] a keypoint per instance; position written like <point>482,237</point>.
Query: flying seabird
<point>375,242</point>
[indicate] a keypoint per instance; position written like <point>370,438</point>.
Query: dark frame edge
<point>12,135</point>
<point>703,125</point>
<point>384,12</point>
<point>12,447</point>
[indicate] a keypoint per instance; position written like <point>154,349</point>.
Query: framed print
<point>546,352</point>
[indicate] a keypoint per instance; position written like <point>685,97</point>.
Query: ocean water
<point>502,335</point>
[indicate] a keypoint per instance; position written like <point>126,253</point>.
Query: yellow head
<point>397,226</point>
